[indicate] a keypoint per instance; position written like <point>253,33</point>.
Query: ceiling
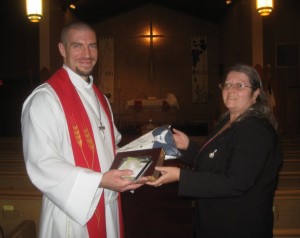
<point>93,11</point>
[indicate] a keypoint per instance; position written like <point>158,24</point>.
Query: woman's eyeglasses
<point>238,86</point>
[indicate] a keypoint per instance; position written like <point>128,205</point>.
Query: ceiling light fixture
<point>264,7</point>
<point>34,10</point>
<point>72,6</point>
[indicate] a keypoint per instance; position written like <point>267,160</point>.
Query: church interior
<point>160,63</point>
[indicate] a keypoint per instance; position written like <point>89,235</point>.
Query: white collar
<point>77,80</point>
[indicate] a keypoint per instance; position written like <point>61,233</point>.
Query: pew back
<point>26,229</point>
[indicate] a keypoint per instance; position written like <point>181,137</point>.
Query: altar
<point>154,110</point>
<point>152,102</point>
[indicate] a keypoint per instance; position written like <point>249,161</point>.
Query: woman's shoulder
<point>256,126</point>
<point>255,121</point>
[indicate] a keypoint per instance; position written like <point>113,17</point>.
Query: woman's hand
<point>168,175</point>
<point>181,140</point>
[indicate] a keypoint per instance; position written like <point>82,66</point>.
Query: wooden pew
<point>289,180</point>
<point>13,168</point>
<point>286,207</point>
<point>12,162</point>
<point>11,157</point>
<point>290,165</point>
<point>19,199</point>
<point>11,144</point>
<point>286,210</point>
<point>26,229</point>
<point>10,141</point>
<point>18,206</point>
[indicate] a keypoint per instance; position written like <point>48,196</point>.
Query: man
<point>69,142</point>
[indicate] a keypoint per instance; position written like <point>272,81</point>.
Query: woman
<point>234,175</point>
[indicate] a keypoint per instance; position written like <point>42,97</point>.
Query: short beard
<point>83,73</point>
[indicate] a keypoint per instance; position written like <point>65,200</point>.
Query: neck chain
<point>101,127</point>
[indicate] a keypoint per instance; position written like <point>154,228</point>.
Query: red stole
<point>83,142</point>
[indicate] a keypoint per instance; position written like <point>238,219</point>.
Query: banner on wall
<point>199,68</point>
<point>106,67</point>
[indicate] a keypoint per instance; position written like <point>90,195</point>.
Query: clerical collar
<point>77,79</point>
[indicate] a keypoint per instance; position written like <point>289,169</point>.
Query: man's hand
<point>113,180</point>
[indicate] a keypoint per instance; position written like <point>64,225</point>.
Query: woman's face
<point>237,93</point>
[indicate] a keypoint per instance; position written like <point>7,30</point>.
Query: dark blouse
<point>233,180</point>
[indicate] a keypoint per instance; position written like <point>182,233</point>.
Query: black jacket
<point>234,189</point>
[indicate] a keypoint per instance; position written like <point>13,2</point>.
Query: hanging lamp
<point>264,7</point>
<point>34,10</point>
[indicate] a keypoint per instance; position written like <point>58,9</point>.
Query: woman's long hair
<point>261,107</point>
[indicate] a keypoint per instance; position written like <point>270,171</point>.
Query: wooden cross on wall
<point>151,36</point>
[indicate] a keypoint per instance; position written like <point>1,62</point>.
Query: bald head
<point>78,48</point>
<point>74,26</point>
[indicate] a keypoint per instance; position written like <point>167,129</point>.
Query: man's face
<point>80,51</point>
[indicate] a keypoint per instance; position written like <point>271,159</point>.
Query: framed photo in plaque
<point>141,162</point>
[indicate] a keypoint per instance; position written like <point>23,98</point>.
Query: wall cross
<point>151,37</point>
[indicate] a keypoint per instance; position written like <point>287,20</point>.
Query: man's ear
<point>62,49</point>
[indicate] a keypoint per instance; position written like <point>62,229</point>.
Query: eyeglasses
<point>238,86</point>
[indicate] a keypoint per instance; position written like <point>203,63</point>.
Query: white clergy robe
<point>70,193</point>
